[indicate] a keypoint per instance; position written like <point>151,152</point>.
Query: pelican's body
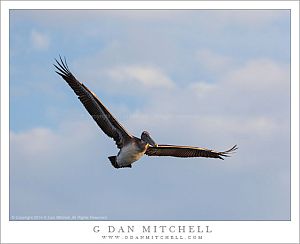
<point>131,152</point>
<point>131,147</point>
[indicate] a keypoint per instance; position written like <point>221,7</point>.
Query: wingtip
<point>234,148</point>
<point>62,66</point>
<point>228,152</point>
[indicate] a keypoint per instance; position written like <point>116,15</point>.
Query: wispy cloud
<point>143,76</point>
<point>201,88</point>
<point>42,148</point>
<point>39,40</point>
<point>260,75</point>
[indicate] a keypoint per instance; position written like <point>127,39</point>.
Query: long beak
<point>149,140</point>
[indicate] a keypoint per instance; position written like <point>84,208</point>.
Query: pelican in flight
<point>131,148</point>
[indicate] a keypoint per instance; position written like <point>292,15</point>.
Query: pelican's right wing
<point>93,105</point>
<point>186,151</point>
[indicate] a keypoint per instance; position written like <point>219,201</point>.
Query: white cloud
<point>35,141</point>
<point>201,88</point>
<point>39,40</point>
<point>260,75</point>
<point>146,77</point>
<point>44,145</point>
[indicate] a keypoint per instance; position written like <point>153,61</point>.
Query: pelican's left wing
<point>105,120</point>
<point>187,152</point>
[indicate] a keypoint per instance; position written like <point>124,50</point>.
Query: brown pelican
<point>131,147</point>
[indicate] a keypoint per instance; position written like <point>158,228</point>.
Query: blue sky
<point>208,78</point>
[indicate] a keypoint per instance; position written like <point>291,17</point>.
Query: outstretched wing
<point>187,152</point>
<point>93,105</point>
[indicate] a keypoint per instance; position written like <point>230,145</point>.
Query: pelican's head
<point>147,138</point>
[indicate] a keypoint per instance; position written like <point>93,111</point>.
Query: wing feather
<point>105,120</point>
<point>187,152</point>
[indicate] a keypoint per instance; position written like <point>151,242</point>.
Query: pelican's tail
<point>113,160</point>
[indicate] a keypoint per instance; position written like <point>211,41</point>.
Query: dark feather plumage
<point>187,152</point>
<point>93,105</point>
